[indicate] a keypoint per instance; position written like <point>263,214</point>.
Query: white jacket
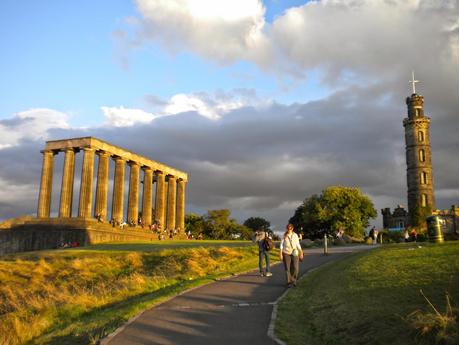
<point>289,243</point>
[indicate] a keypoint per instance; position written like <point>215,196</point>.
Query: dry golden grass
<point>435,326</point>
<point>42,293</point>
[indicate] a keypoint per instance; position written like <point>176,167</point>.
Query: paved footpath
<point>232,311</point>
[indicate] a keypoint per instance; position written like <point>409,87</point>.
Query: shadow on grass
<point>93,326</point>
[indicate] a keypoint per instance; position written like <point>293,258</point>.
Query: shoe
<point>294,283</point>
<point>262,274</point>
<point>269,274</point>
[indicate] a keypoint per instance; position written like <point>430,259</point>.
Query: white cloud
<point>340,37</point>
<point>31,124</point>
<point>125,117</point>
<point>364,35</point>
<point>224,30</point>
<point>211,107</point>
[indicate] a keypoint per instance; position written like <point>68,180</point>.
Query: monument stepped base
<point>39,234</point>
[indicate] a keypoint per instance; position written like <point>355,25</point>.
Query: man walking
<point>260,237</point>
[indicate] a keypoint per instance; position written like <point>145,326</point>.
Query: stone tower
<point>418,155</point>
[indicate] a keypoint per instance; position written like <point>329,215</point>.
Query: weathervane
<point>413,82</point>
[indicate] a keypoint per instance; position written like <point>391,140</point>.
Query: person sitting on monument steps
<point>290,252</point>
<point>260,237</point>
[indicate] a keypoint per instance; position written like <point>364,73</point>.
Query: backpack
<point>268,244</point>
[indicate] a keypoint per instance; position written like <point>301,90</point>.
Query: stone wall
<point>39,235</point>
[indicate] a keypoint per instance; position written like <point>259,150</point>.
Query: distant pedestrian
<point>290,252</point>
<point>372,235</point>
<point>414,235</point>
<point>406,235</point>
<point>260,237</point>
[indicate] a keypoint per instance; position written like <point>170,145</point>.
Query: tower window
<point>420,136</point>
<point>422,155</point>
<point>423,177</point>
<point>423,200</point>
<point>418,112</point>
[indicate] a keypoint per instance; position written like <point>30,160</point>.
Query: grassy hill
<point>76,296</point>
<point>377,297</point>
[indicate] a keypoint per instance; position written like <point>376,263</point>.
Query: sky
<point>263,103</point>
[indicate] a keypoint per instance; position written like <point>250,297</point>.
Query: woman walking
<point>290,252</point>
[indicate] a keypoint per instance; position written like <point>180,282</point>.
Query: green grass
<point>367,298</point>
<point>77,296</point>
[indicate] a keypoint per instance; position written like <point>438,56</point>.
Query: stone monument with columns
<point>94,222</point>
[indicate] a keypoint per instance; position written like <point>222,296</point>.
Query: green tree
<point>307,220</point>
<point>219,226</point>
<point>194,223</point>
<point>337,207</point>
<point>256,223</point>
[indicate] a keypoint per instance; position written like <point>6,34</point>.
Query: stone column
<point>180,222</point>
<point>160,199</point>
<point>65,209</point>
<point>171,202</point>
<point>46,185</point>
<point>86,184</point>
<point>100,211</point>
<point>133,200</point>
<point>118,190</point>
<point>147,195</point>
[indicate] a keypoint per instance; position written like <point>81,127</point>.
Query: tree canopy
<point>217,225</point>
<point>256,223</point>
<point>337,207</point>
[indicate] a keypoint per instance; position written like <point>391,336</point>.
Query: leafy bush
<point>392,236</point>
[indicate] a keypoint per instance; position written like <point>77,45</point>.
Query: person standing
<point>414,235</point>
<point>290,252</point>
<point>406,235</point>
<point>263,254</point>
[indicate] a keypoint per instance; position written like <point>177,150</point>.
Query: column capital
<point>69,149</point>
<point>118,159</point>
<point>133,163</point>
<point>89,149</point>
<point>146,168</point>
<point>101,153</point>
<point>170,177</point>
<point>53,152</point>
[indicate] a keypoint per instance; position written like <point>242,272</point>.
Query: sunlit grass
<point>77,296</point>
<point>367,297</point>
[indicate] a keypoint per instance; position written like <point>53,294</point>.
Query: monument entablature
<point>101,146</point>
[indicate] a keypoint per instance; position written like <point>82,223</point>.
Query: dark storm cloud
<point>265,160</point>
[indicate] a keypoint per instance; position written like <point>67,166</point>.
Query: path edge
<point>272,323</point>
<point>106,340</point>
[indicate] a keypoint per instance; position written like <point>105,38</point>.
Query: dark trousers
<point>263,254</point>
<point>291,264</point>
